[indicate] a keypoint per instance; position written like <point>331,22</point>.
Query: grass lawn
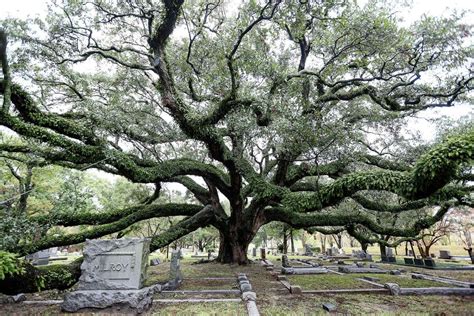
<point>272,296</point>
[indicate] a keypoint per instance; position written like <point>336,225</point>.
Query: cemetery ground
<point>212,289</point>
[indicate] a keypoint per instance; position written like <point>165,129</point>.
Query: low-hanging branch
<point>298,220</point>
<point>100,218</point>
<point>432,172</point>
<point>97,231</point>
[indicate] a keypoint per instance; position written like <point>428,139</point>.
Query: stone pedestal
<point>140,300</point>
<point>113,272</point>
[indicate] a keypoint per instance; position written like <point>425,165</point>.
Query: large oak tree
<point>269,107</point>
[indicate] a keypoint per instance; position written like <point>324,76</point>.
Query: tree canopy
<point>273,108</point>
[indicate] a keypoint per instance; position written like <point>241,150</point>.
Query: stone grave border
<point>463,288</point>
<point>245,292</point>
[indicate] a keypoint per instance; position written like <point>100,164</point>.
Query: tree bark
<point>232,249</point>
<point>285,241</point>
<point>36,279</point>
<point>364,246</point>
<point>292,241</point>
<point>383,250</point>
<point>471,254</point>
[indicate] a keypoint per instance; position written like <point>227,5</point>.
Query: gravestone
<point>254,252</point>
<point>263,255</point>
<point>408,260</point>
<point>113,272</point>
<point>53,252</point>
<point>389,252</point>
<point>429,263</point>
<point>284,261</point>
<point>39,258</point>
<point>155,262</point>
<point>329,307</point>
<point>444,254</point>
<point>419,262</point>
<point>307,250</point>
<point>175,269</point>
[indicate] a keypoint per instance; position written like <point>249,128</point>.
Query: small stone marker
<point>112,273</point>
<point>389,252</point>
<point>19,298</point>
<point>155,262</point>
<point>395,272</point>
<point>254,252</point>
<point>329,307</point>
<point>284,261</point>
<point>263,255</point>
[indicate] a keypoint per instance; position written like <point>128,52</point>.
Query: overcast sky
<point>24,8</point>
<point>32,8</point>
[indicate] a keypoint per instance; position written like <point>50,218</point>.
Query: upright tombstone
<point>263,255</point>
<point>254,252</point>
<point>444,254</point>
<point>307,250</point>
<point>113,272</point>
<point>389,252</point>
<point>175,269</point>
<point>284,261</point>
<point>39,258</point>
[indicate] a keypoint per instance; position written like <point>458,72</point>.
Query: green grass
<point>327,281</point>
<point>212,308</point>
<point>349,281</point>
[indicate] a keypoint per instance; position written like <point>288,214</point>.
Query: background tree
<point>271,111</point>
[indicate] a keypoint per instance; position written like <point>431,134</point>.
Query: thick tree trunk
<point>471,254</point>
<point>285,241</point>
<point>427,251</point>
<point>323,242</point>
<point>364,246</point>
<point>383,250</point>
<point>233,249</point>
<point>292,241</point>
